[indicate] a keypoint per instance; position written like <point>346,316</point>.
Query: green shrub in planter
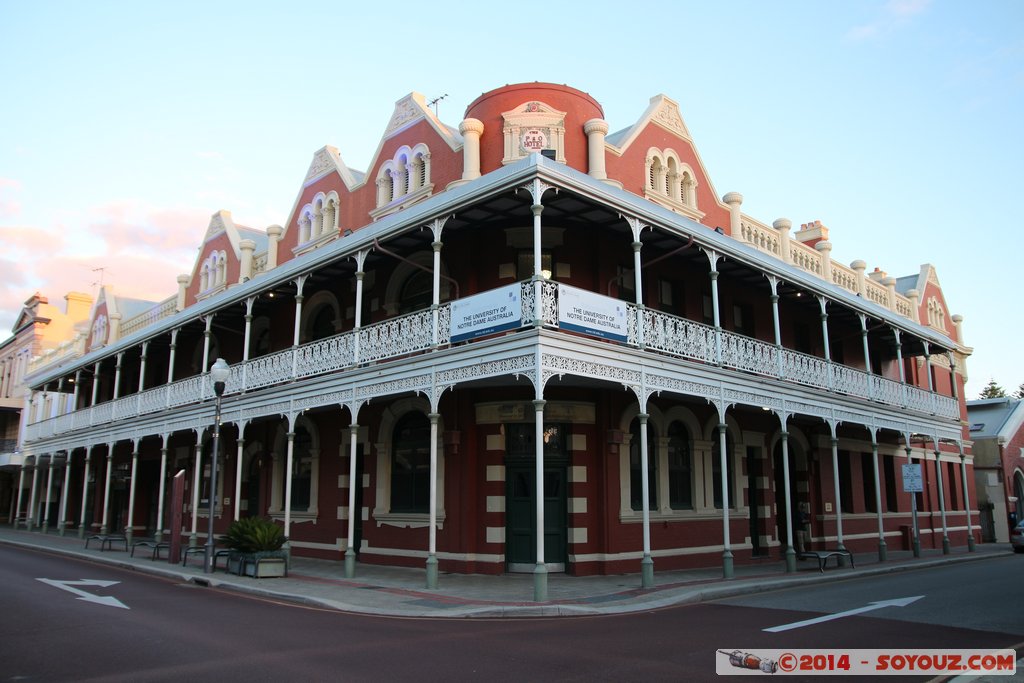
<point>254,535</point>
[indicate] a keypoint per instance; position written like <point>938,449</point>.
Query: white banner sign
<point>486,313</point>
<point>593,314</point>
<point>912,481</point>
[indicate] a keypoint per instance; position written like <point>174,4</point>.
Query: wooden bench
<point>107,541</point>
<point>822,557</point>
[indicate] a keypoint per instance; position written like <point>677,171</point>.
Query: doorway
<point>521,498</point>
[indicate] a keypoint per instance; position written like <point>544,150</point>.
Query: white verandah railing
<point>413,333</point>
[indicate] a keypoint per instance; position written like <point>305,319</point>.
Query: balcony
<point>423,331</point>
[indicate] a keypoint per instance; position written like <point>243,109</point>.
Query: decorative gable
<point>665,112</point>
<point>533,127</point>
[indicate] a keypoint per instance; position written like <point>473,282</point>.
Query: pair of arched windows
<point>668,177</point>
<point>406,174</point>
<point>214,271</point>
<point>672,458</point>
<point>319,218</point>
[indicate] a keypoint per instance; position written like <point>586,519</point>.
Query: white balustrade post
<point>967,500</point>
<point>353,513</point>
<point>104,528</point>
<point>790,553</point>
<point>63,521</point>
<point>647,563</point>
<point>942,501</point>
<point>161,488</point>
<point>85,492</point>
<point>129,531</point>
<point>49,490</point>
<point>883,551</point>
<point>540,571</point>
<point>432,536</point>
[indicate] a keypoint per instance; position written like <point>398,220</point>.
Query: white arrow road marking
<point>897,602</point>
<point>68,586</point>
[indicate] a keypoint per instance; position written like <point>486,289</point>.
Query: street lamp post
<point>219,374</point>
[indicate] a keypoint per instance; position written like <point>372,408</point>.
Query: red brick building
<point>525,303</point>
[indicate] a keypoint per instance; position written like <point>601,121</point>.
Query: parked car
<point>1017,538</point>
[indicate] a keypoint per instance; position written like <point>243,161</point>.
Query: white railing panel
<point>326,355</point>
<point>751,355</point>
<point>805,369</point>
<point>850,381</point>
<point>677,336</point>
<point>396,337</point>
<point>270,369</point>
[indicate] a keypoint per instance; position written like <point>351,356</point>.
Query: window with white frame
<point>304,474</point>
<point>403,467</point>
<point>319,219</point>
<point>405,177</point>
<point>936,314</point>
<point>670,181</point>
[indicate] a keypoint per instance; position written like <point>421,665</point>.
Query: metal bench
<point>107,541</point>
<point>156,546</point>
<point>822,557</point>
<point>201,550</point>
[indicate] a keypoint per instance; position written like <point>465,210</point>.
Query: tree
<point>993,390</point>
<point>1020,392</point>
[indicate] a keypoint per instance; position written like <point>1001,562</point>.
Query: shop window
<point>845,483</point>
<point>867,471</point>
<point>302,471</point>
<point>680,468</point>
<point>410,464</point>
<point>891,504</point>
<point>951,478</point>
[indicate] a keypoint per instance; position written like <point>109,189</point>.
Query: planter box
<point>265,565</point>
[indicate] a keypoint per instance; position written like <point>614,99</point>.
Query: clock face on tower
<point>534,140</point>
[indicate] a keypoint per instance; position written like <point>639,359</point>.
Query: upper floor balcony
<point>484,315</point>
<point>401,288</point>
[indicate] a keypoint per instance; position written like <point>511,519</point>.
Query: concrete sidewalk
<point>397,591</point>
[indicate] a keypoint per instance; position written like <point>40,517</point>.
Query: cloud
<point>895,15</point>
<point>135,248</point>
<point>138,228</point>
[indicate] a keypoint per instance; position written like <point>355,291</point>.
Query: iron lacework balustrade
<point>413,333</point>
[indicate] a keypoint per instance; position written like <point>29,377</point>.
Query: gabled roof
<point>663,111</point>
<point>994,418</point>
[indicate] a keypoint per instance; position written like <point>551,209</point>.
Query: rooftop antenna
<point>102,271</point>
<point>433,103</point>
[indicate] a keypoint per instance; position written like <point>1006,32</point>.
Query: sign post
<point>913,483</point>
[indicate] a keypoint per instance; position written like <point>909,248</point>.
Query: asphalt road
<point>172,631</point>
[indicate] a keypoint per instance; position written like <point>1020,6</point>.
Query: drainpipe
<point>378,247</point>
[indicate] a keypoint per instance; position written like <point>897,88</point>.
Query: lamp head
<point>219,372</point>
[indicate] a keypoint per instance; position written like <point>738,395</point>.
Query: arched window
<point>385,187</point>
<point>302,471</point>
<point>222,268</point>
<point>318,219</point>
<point>330,216</point>
<point>716,471</point>
<point>671,187</point>
<point>410,464</point>
<point>323,324</point>
<point>636,496</point>
<point>655,175</point>
<point>680,468</point>
<point>417,292</point>
<point>687,190</point>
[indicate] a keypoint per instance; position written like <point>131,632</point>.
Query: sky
<point>897,123</point>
